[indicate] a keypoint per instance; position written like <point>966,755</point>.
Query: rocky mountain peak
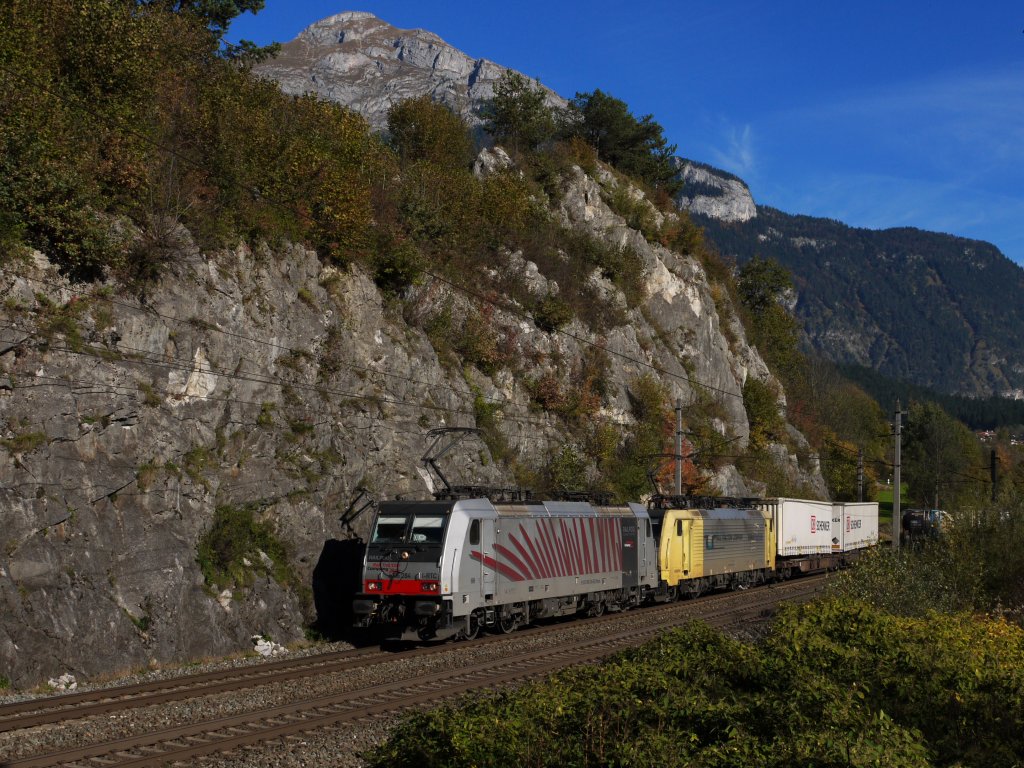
<point>360,61</point>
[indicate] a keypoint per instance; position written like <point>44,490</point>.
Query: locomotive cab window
<point>474,532</point>
<point>390,529</point>
<point>679,527</point>
<point>427,529</point>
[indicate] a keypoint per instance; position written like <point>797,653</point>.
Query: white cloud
<point>738,155</point>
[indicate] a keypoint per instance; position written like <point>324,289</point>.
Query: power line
<point>212,328</point>
<point>187,366</point>
<point>526,315</point>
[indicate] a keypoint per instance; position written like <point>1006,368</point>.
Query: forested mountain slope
<point>934,309</point>
<point>225,310</point>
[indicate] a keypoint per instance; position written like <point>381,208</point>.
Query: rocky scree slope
<point>267,382</point>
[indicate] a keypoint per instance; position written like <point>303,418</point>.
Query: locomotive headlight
<point>429,586</point>
<point>405,555</point>
<point>373,586</point>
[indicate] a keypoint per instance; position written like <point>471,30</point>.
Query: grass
<point>885,503</point>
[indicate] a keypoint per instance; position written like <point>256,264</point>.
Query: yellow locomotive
<point>700,549</point>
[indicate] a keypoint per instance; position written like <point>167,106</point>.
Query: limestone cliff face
<point>944,335</point>
<point>713,193</point>
<point>368,65</point>
<point>269,380</point>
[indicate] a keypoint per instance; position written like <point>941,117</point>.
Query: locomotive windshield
<point>390,529</point>
<point>427,529</point>
<point>409,529</point>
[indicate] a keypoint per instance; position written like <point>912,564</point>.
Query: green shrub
<point>552,313</point>
<point>228,551</point>
<point>25,442</point>
<point>116,109</point>
<point>423,130</point>
<point>487,415</point>
<point>567,469</point>
<point>835,683</point>
<point>397,266</point>
<point>762,405</point>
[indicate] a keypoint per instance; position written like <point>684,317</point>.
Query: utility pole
<point>896,517</point>
<point>679,447</point>
<point>992,471</point>
<point>860,474</point>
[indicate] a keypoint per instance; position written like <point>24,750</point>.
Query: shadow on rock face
<point>336,581</point>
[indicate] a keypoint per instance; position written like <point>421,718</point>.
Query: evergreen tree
<point>762,285</point>
<point>635,146</point>
<point>218,14</point>
<point>941,459</point>
<point>519,115</point>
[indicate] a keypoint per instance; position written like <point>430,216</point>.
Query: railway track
<point>184,742</point>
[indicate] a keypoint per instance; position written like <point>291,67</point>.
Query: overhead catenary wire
<point>187,366</point>
<point>196,323</point>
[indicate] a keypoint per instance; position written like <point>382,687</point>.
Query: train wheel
<point>596,609</point>
<point>672,594</point>
<point>507,623</point>
<point>474,628</point>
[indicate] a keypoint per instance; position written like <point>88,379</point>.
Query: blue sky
<point>879,114</point>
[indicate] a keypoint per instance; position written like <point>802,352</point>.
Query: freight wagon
<point>819,535</point>
<point>857,525</point>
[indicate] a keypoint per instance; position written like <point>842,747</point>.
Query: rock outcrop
<point>713,193</point>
